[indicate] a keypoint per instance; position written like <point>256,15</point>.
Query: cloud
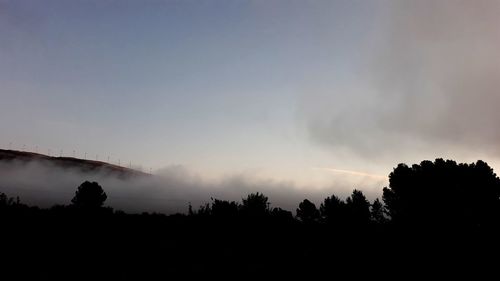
<point>354,173</point>
<point>170,190</point>
<point>433,85</point>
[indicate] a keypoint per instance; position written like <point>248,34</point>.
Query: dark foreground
<point>63,246</point>
<point>438,220</point>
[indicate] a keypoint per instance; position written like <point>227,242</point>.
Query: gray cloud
<point>432,85</point>
<point>169,191</point>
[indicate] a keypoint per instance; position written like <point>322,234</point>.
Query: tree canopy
<point>89,195</point>
<point>443,193</point>
<point>255,205</point>
<point>307,212</point>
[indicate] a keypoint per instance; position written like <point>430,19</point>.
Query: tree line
<point>430,212</point>
<point>440,193</point>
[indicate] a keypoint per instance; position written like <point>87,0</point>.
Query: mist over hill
<point>44,181</point>
<point>83,165</point>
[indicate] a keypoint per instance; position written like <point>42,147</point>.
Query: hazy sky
<point>284,90</point>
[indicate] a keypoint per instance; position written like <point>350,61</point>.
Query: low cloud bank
<point>170,190</point>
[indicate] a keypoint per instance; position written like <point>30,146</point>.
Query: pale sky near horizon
<point>311,92</point>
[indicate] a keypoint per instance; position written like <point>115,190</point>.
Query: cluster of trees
<point>356,210</point>
<point>438,194</point>
<point>443,194</point>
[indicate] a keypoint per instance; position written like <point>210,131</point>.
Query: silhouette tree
<point>89,195</point>
<point>443,193</point>
<point>204,210</point>
<point>377,212</point>
<point>190,209</point>
<point>333,210</point>
<point>282,215</point>
<point>9,204</point>
<point>255,205</point>
<point>224,209</point>
<point>6,201</point>
<point>307,212</point>
<point>358,208</point>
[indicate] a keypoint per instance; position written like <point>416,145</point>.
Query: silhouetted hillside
<point>70,162</point>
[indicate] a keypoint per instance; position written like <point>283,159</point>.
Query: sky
<point>315,94</point>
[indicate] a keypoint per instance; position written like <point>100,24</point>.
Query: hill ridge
<point>70,162</point>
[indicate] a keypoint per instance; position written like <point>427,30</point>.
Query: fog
<point>169,190</point>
